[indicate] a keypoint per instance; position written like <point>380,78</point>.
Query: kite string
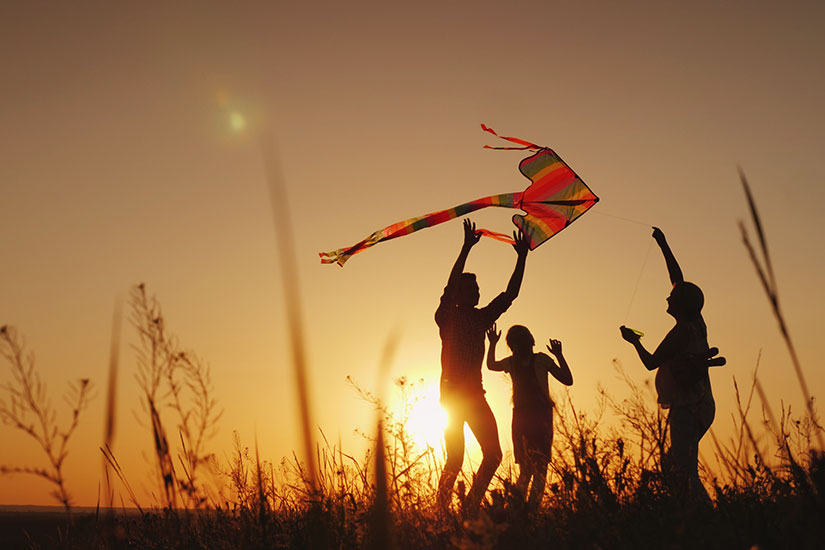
<point>638,280</point>
<point>637,222</point>
<point>644,263</point>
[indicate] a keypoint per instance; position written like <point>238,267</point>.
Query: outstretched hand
<point>493,335</point>
<point>521,244</point>
<point>629,334</point>
<point>658,235</point>
<point>471,236</point>
<point>555,347</point>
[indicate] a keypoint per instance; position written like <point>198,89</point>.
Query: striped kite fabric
<point>555,198</point>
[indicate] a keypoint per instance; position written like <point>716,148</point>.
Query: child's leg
<point>539,483</point>
<point>524,475</point>
<point>522,458</point>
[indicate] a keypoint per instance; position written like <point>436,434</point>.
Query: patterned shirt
<point>462,340</point>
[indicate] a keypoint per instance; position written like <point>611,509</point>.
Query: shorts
<point>532,435</point>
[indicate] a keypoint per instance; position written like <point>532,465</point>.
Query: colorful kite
<point>554,199</point>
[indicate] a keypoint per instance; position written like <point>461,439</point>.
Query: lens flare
<point>237,121</point>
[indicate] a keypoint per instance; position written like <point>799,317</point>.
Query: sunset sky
<point>121,162</point>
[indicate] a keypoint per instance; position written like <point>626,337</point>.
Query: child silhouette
<point>532,405</point>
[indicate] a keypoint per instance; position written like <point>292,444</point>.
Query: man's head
<point>519,339</point>
<point>467,290</point>
<point>685,300</point>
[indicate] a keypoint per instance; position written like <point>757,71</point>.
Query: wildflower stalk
<point>26,407</point>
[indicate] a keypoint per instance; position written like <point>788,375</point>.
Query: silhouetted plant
<point>412,471</point>
<point>180,381</point>
<point>27,407</point>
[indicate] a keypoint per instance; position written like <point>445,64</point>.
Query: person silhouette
<point>462,326</point>
<point>532,406</point>
<point>682,381</point>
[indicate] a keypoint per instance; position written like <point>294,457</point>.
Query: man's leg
<point>454,444</point>
<point>483,424</point>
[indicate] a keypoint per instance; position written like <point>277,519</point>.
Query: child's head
<point>519,339</point>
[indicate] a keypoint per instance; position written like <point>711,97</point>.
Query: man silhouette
<point>462,327</point>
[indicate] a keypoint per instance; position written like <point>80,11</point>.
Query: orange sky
<point>117,166</point>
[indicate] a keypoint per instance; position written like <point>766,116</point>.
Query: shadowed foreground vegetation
<point>605,490</point>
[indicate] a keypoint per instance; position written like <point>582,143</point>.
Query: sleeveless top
<point>529,393</point>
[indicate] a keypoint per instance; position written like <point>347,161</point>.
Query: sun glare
<point>237,121</point>
<point>427,420</point>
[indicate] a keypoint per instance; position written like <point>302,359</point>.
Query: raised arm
<point>673,269</point>
<point>471,237</point>
<point>560,372</point>
<point>522,247</point>
<point>493,336</point>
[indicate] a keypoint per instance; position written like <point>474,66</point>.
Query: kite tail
<point>503,237</point>
<point>525,145</point>
<point>509,200</point>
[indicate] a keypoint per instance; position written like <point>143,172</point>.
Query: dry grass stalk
<point>768,281</point>
<point>116,468</point>
<point>27,407</point>
<point>110,423</point>
<point>288,261</point>
<point>179,380</point>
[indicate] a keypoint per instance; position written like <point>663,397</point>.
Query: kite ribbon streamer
<point>555,198</point>
<point>524,144</point>
<point>406,227</point>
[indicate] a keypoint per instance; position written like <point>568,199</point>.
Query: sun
<point>427,420</point>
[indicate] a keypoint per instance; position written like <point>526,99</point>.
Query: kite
<point>555,198</point>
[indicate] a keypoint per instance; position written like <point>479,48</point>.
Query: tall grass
<point>110,418</point>
<point>764,270</point>
<point>288,261</point>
